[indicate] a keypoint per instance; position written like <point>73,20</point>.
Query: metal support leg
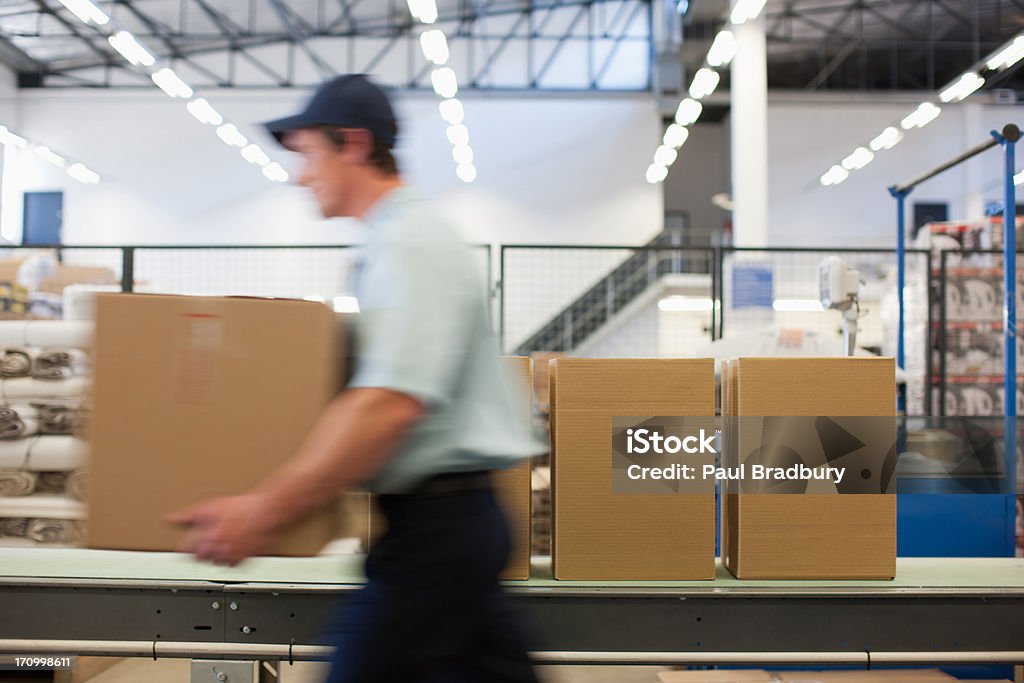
<point>268,672</point>
<point>223,671</point>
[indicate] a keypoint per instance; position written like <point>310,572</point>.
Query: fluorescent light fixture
<point>1008,56</point>
<point>82,174</point>
<point>130,48</point>
<point>887,139</point>
<point>835,175</point>
<point>230,135</point>
<point>86,12</point>
<point>967,84</point>
<point>458,135</point>
<point>704,83</point>
<point>452,111</point>
<point>858,159</point>
<point>255,155</point>
<point>202,110</point>
<point>1019,178</point>
<point>675,136</point>
<point>445,83</point>
<point>688,112</point>
<point>424,10</point>
<point>9,138</point>
<point>723,49</point>
<point>466,172</point>
<point>46,154</point>
<point>920,117</point>
<point>745,10</point>
<point>463,155</point>
<point>435,46</point>
<point>797,306</point>
<point>346,304</point>
<point>665,156</point>
<point>170,83</point>
<point>680,303</point>
<point>656,174</point>
<point>274,172</point>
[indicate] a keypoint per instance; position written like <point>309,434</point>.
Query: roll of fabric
<point>53,531</point>
<point>18,428</point>
<point>56,454</point>
<point>17,483</point>
<point>43,506</point>
<point>16,362</point>
<point>60,363</point>
<point>55,333</point>
<point>54,418</point>
<point>77,484</point>
<point>14,454</point>
<point>15,527</point>
<point>51,482</point>
<point>25,389</point>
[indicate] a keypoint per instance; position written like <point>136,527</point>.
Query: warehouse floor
<point>177,671</point>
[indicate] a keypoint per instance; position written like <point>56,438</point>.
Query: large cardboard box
<point>197,397</point>
<point>808,536</point>
<point>513,485</point>
<point>716,676</point>
<point>601,535</point>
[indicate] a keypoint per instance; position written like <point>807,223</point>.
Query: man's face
<point>328,171</point>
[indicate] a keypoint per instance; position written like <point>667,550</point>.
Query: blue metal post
<point>1008,140</point>
<point>901,272</point>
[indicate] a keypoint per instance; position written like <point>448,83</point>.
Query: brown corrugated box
<point>512,485</point>
<point>716,676</point>
<point>600,535</point>
<point>197,397</point>
<point>794,536</point>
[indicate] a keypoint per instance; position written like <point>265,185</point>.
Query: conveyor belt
<point>935,610</point>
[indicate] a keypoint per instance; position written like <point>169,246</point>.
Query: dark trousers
<point>432,610</point>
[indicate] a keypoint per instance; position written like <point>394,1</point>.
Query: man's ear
<point>358,143</point>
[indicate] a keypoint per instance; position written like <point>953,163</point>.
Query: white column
<point>748,121</point>
<point>974,174</point>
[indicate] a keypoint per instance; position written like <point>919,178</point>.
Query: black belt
<point>453,482</point>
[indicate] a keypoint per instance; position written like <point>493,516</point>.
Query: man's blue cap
<point>349,101</point>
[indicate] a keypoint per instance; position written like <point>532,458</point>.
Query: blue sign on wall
<point>752,287</point>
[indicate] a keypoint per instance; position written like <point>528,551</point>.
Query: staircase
<point>575,323</point>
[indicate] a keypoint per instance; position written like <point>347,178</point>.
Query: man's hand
<point>227,530</point>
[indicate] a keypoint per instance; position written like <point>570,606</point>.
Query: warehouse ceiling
<point>542,45</point>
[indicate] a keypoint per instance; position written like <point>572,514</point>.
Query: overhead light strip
<point>434,44</point>
<point>705,81</point>
<point>73,168</point>
<point>164,77</point>
<point>957,90</point>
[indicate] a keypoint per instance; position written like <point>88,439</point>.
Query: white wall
<point>807,133</point>
<point>805,139</point>
<point>565,170</point>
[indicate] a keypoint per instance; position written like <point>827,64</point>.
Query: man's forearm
<point>356,434</point>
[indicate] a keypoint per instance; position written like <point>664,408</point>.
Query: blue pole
<point>1008,139</point>
<point>901,274</point>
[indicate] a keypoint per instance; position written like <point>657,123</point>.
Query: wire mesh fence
<point>606,301</point>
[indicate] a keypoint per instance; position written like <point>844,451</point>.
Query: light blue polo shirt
<point>424,330</point>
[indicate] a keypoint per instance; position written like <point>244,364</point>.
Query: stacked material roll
<point>44,381</point>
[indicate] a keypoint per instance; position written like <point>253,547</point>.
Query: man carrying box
<point>426,417</point>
